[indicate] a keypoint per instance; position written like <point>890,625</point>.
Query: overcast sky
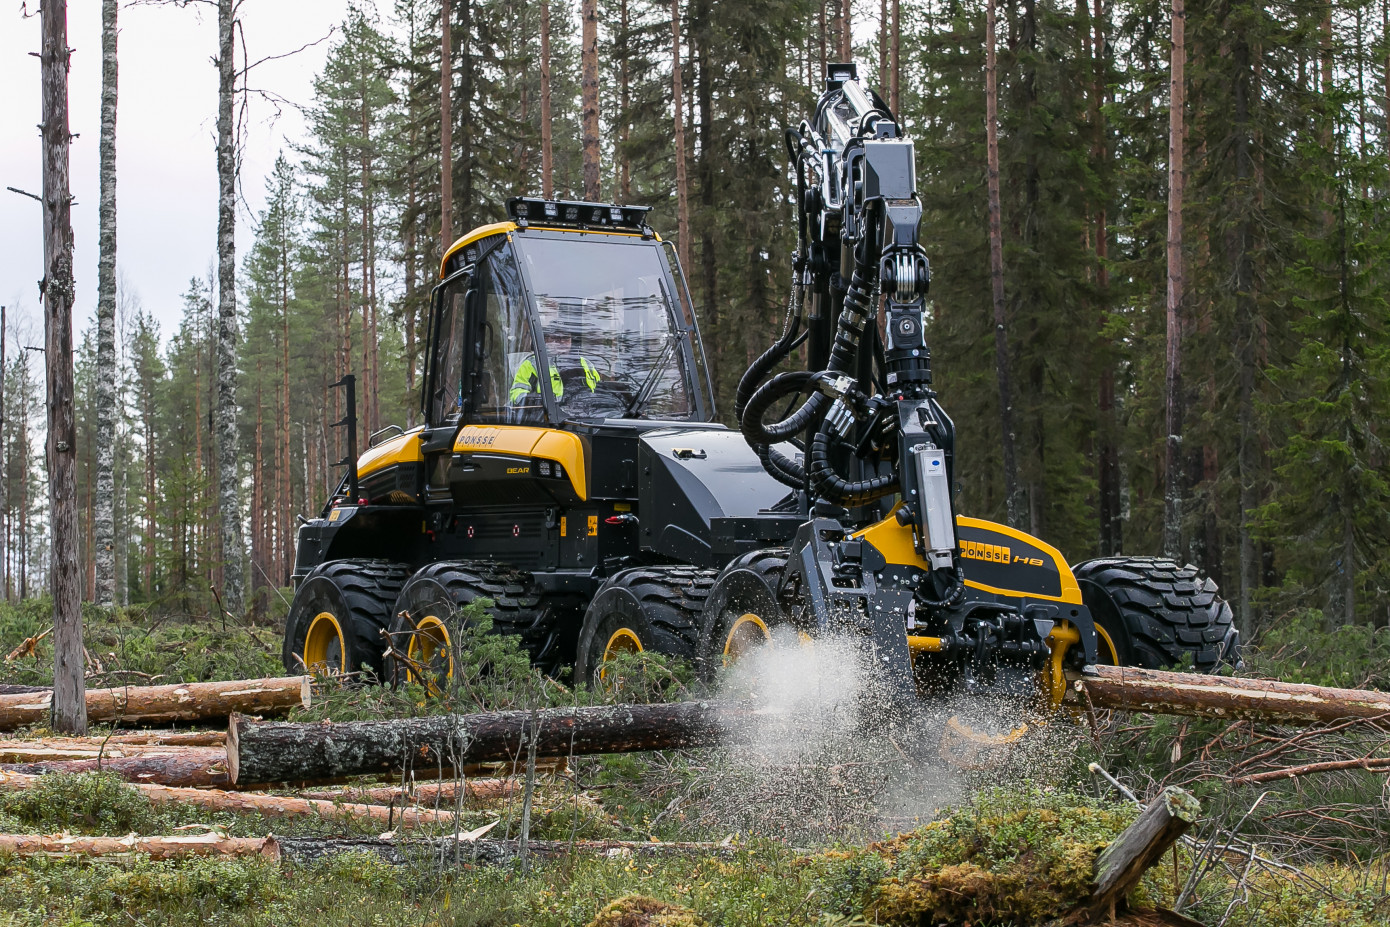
<point>166,135</point>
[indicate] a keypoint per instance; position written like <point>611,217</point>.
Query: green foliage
<point>80,802</point>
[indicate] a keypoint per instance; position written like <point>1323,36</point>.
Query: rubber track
<point>370,588</point>
<point>672,598</point>
<point>1169,610</point>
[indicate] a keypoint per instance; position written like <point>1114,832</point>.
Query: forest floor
<point>816,823</point>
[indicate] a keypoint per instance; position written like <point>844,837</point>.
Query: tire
<point>741,608</point>
<point>346,604</point>
<point>426,616</point>
<point>1156,613</point>
<point>647,608</point>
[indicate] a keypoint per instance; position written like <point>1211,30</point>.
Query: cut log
<point>272,806</point>
<point>1123,863</point>
<point>59,749</point>
<point>176,847</point>
<point>426,795</point>
<point>194,701</point>
<point>447,850</point>
<point>270,752</point>
<point>193,767</point>
<point>1126,688</point>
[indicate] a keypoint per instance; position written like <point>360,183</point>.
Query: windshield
<point>612,345</point>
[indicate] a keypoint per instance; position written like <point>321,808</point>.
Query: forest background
<point>1283,373</point>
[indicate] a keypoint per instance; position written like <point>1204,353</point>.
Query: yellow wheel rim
<point>324,647</point>
<point>748,633</point>
<point>623,640</point>
<point>430,649</point>
<point>1106,649</point>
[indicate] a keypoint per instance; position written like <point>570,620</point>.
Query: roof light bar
<point>525,210</point>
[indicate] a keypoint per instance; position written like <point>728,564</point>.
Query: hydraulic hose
<point>836,488</point>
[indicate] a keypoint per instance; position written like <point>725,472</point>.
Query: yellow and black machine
<point>570,471</point>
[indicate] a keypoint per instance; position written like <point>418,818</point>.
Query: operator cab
<point>569,313</point>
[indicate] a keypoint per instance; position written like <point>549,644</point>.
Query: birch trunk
<point>589,95</point>
<point>228,484</point>
<point>678,107</point>
<point>547,151</point>
<point>103,505</point>
<point>69,708</point>
<point>996,271</point>
<point>1172,480</point>
<point>446,132</point>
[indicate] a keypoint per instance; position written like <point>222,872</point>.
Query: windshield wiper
<point>658,368</point>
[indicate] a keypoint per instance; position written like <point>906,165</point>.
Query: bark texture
<point>177,847</point>
<point>1265,700</point>
<point>1173,418</point>
<point>67,704</point>
<point>104,501</point>
<point>678,107</point>
<point>228,483</point>
<point>194,701</point>
<point>547,148</point>
<point>446,131</point>
<point>194,768</point>
<point>996,273</point>
<point>588,55</point>
<point>265,752</point>
<point>425,795</point>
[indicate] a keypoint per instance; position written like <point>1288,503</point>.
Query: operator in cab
<point>562,321</point>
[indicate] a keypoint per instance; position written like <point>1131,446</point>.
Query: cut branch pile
<point>195,701</point>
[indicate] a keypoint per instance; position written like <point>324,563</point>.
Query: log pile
<point>194,701</point>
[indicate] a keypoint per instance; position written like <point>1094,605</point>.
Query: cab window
<point>447,364</point>
<point>509,380</point>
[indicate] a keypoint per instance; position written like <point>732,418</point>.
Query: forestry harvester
<point>571,473</point>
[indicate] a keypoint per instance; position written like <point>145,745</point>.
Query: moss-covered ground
<point>1011,847</point>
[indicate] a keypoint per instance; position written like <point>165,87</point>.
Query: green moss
<point>641,911</point>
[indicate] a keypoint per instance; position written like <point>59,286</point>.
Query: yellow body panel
<point>400,449</point>
<point>894,541</point>
<point>528,441</point>
<point>478,233</point>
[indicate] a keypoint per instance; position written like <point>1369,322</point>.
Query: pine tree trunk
<point>883,46</point>
<point>589,95</point>
<point>846,30</point>
<point>1173,488</point>
<point>228,483</point>
<point>547,148</point>
<point>285,529</point>
<point>69,711</point>
<point>678,108</point>
<point>1240,243</point>
<point>996,271</point>
<point>896,73</point>
<point>103,511</point>
<point>446,132</point>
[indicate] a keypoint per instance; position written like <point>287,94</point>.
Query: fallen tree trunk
<point>268,752</point>
<point>194,701</point>
<point>1371,763</point>
<point>176,847</point>
<point>193,767</point>
<point>448,851</point>
<point>1123,863</point>
<point>427,795</point>
<point>272,806</point>
<point>1126,688</point>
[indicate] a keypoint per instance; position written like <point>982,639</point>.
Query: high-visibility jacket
<point>527,379</point>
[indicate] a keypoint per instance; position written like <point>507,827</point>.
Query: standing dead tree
<point>69,710</point>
